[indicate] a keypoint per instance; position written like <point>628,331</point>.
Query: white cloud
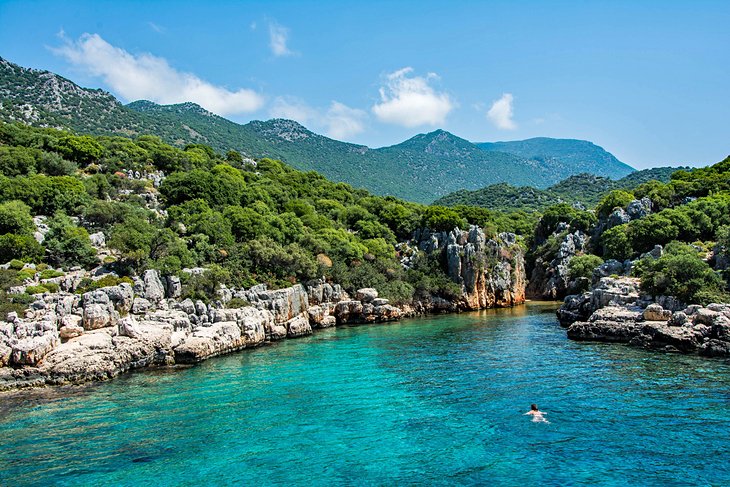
<point>278,37</point>
<point>501,113</point>
<point>149,77</point>
<point>293,109</point>
<point>157,28</point>
<point>339,121</point>
<point>411,101</point>
<point>343,122</point>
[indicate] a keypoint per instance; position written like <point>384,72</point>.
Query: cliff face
<point>549,278</point>
<point>491,272</point>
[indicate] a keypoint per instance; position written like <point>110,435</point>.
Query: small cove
<point>436,400</point>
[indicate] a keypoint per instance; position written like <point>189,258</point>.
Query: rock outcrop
<point>490,271</point>
<point>615,311</point>
<point>66,338</point>
<point>549,278</point>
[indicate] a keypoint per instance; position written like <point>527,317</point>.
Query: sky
<point>646,80</point>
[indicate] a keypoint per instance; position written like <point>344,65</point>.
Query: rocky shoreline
<point>70,338</point>
<point>616,311</point>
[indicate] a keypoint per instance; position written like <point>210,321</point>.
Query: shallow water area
<point>436,400</point>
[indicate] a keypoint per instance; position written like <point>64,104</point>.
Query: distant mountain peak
<point>282,128</point>
<point>438,143</point>
<point>188,106</point>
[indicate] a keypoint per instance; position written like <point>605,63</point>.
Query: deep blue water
<point>428,401</point>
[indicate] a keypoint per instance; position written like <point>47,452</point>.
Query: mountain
<point>420,169</point>
<point>559,157</point>
<point>584,189</point>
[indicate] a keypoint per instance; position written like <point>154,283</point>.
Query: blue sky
<point>648,81</point>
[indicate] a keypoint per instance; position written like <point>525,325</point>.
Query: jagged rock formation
<point>615,311</point>
<point>491,272</point>
<point>549,278</point>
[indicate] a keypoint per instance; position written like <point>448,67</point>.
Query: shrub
<point>36,289</point>
<point>205,285</point>
<point>442,219</point>
<point>50,274</point>
<point>679,272</point>
<point>583,265</point>
<point>87,284</point>
<point>237,303</point>
<point>51,286</point>
<point>15,218</point>
<point>17,264</point>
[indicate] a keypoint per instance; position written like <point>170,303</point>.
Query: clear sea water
<point>436,401</point>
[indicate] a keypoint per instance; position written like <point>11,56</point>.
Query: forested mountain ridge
<point>582,189</point>
<point>419,169</point>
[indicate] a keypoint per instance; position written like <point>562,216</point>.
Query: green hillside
<point>558,157</point>
<point>420,169</point>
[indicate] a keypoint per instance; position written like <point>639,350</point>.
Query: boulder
<point>173,287</point>
<point>679,318</point>
<point>129,327</point>
<point>253,324</point>
<point>98,316</point>
<point>152,288</point>
<point>121,295</point>
<point>298,326</point>
<point>316,315</point>
<point>205,342</point>
<point>31,350</point>
<point>715,348</point>
<point>327,322</point>
<point>654,312</point>
<point>188,306</point>
<point>5,354</point>
<point>140,306</point>
<point>348,311</point>
<point>604,331</point>
<point>275,331</point>
<point>98,240</point>
<point>659,335</point>
<point>67,332</point>
<point>366,295</point>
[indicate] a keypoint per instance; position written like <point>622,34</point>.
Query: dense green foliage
<point>246,223</point>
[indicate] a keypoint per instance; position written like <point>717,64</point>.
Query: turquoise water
<point>429,401</point>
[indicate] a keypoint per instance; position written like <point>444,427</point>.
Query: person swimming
<point>537,415</point>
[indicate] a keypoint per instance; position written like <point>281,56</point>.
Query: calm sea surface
<point>436,401</point>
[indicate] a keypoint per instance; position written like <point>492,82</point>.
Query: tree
<point>83,149</point>
<point>616,243</point>
<point>23,247</point>
<point>15,218</point>
<point>442,219</point>
<point>68,245</point>
<point>617,198</point>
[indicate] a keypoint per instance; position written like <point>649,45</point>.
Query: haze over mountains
<point>422,168</point>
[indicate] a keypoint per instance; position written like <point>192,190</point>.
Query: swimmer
<point>537,415</point>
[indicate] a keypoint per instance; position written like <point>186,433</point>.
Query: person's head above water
<point>533,407</point>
